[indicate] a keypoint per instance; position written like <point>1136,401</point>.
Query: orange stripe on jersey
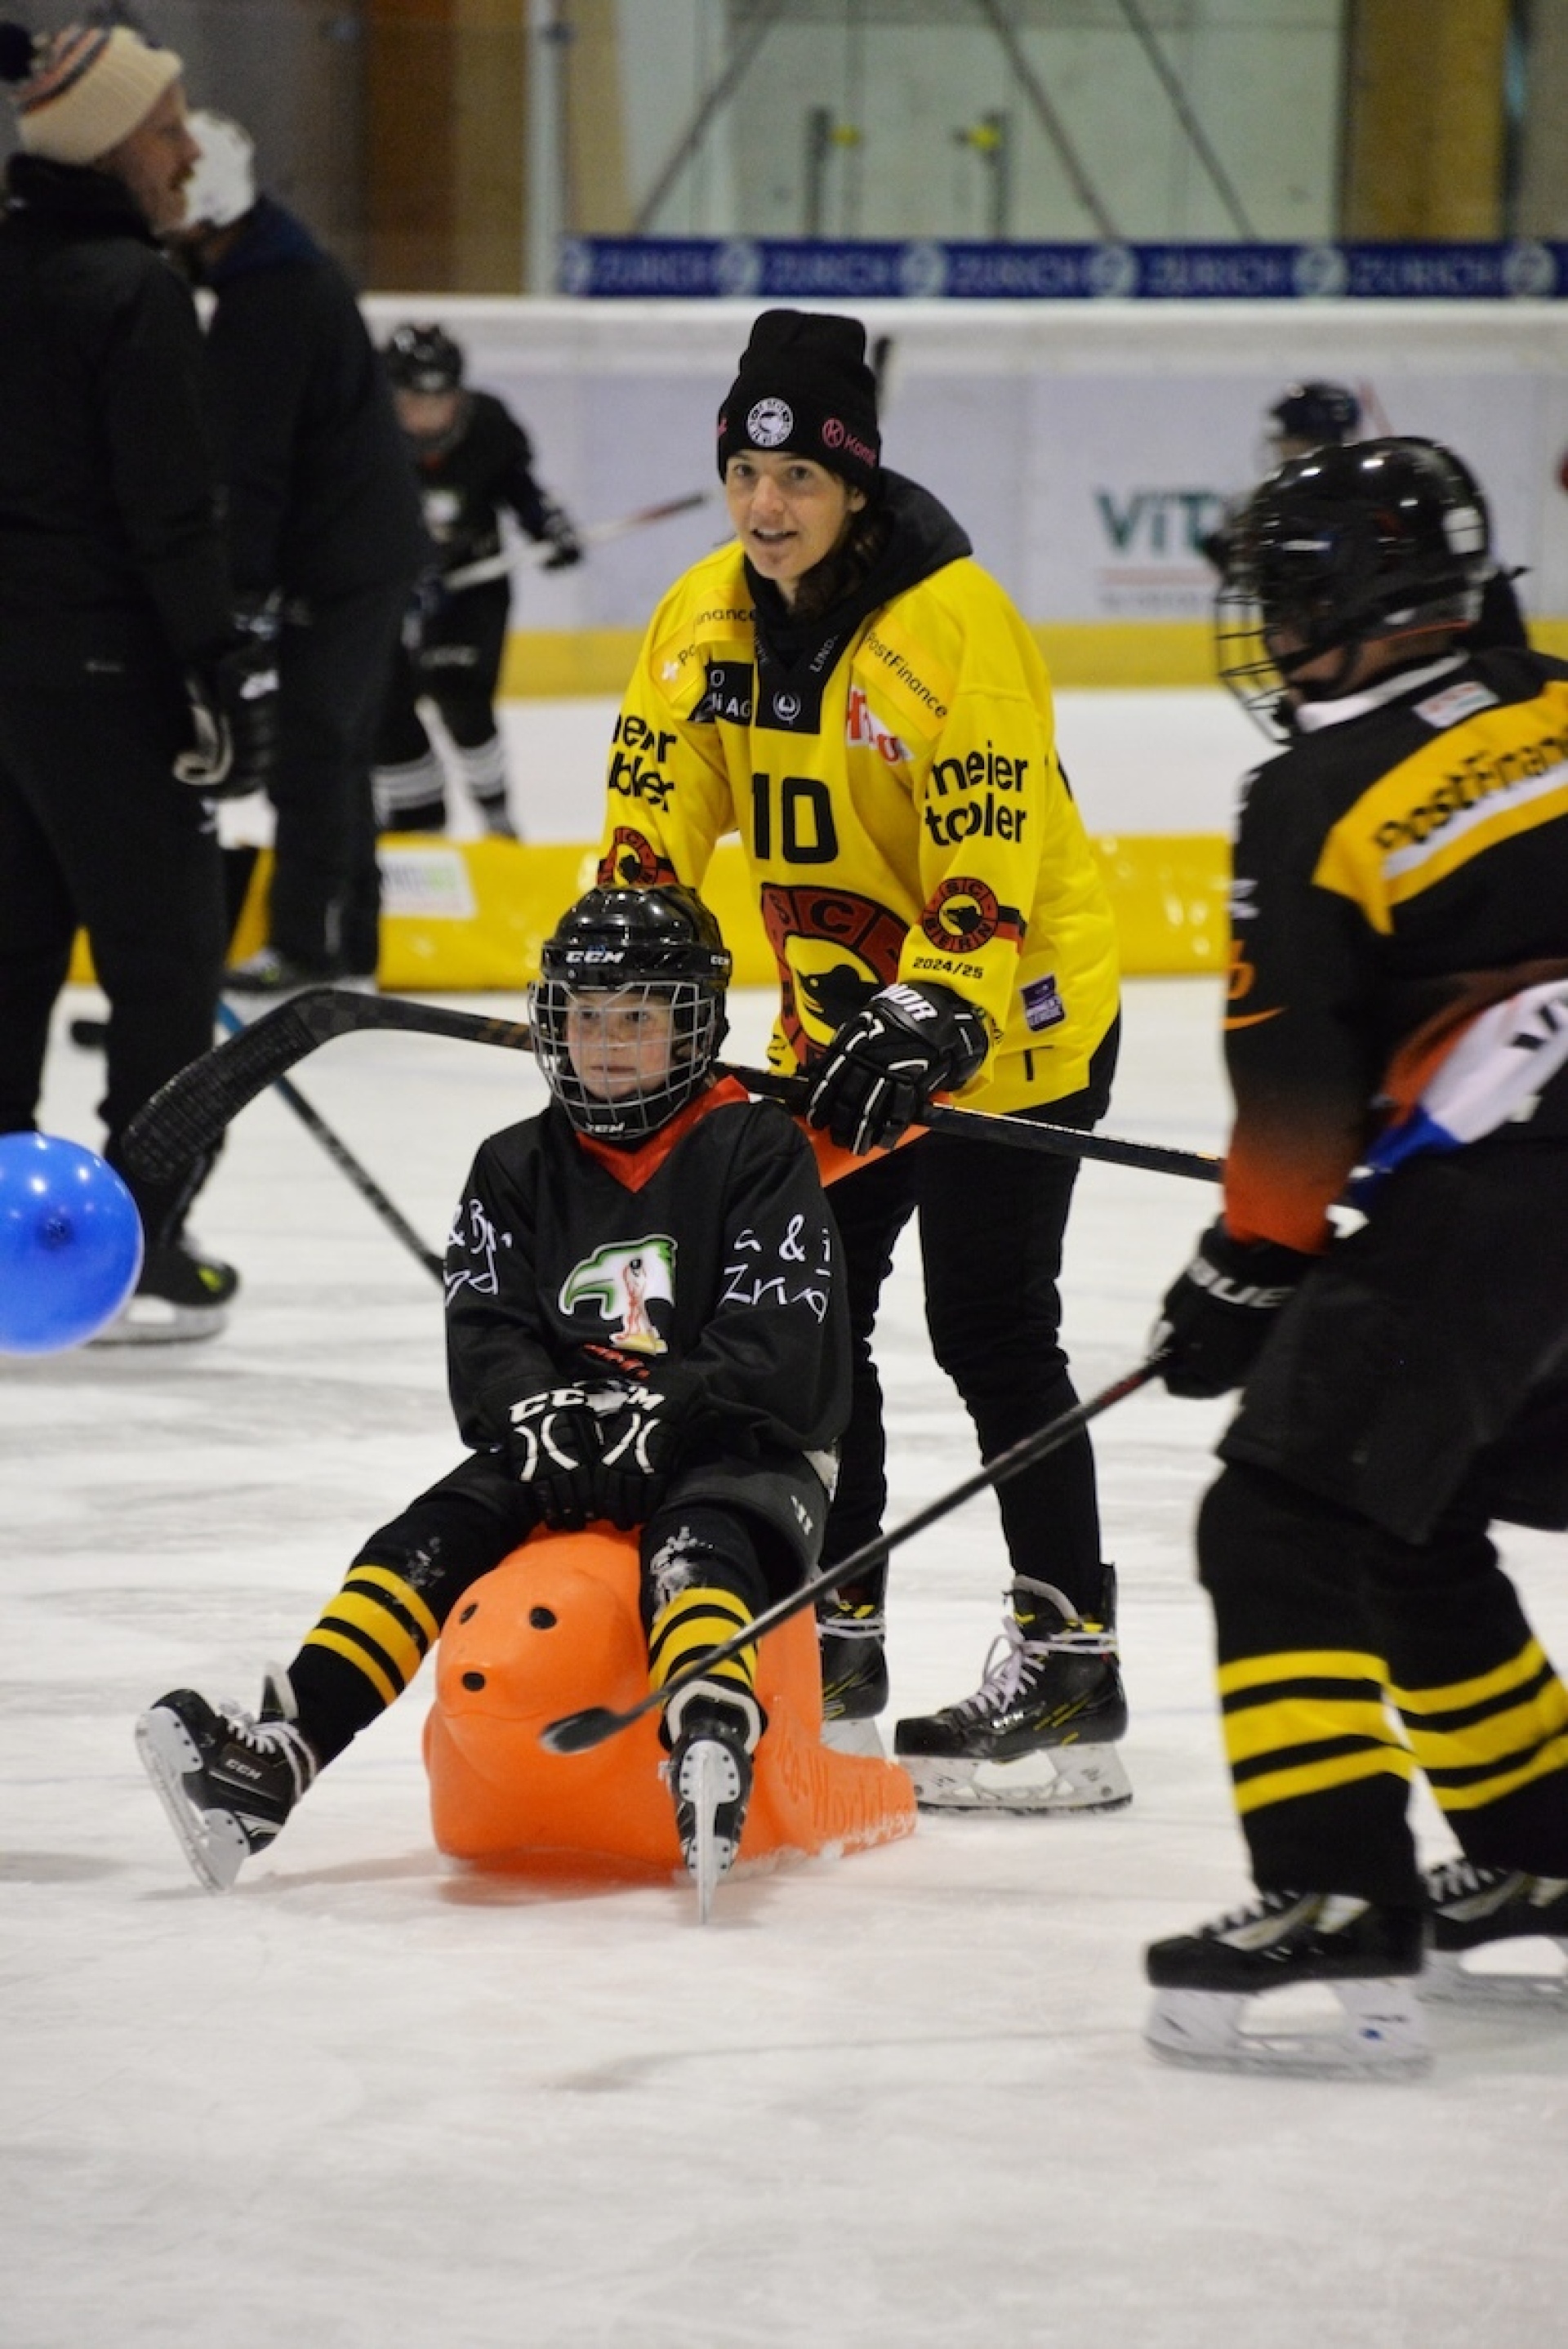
<point>635,1168</point>
<point>833,1164</point>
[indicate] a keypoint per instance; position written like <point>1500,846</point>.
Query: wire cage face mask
<point>642,1051</point>
<point>1340,548</point>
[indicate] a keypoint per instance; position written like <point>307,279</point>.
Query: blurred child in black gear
<point>472,460</point>
<point>645,1324</point>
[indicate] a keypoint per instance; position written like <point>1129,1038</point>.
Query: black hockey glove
<point>565,547</point>
<point>554,1449</point>
<point>234,701</point>
<point>1215,1319</point>
<point>640,1444</point>
<point>884,1065</point>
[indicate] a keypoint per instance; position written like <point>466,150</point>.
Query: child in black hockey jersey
<point>472,461</point>
<point>1398,999</point>
<point>645,1324</point>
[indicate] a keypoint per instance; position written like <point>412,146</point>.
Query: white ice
<point>370,2101</point>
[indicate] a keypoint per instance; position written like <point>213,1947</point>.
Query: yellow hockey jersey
<point>896,790</point>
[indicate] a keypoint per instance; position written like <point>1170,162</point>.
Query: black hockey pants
<point>372,1637</point>
<point>1414,1391</point>
<point>457,666</point>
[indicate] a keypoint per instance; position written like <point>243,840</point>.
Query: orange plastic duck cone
<point>556,1627</point>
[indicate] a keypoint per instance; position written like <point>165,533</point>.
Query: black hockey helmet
<point>1317,413</point>
<point>423,359</point>
<point>1376,540</point>
<point>644,946</point>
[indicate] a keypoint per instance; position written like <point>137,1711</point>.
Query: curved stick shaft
<point>189,1114</point>
<point>576,1732</point>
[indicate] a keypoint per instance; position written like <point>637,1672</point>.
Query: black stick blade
<point>185,1117</point>
<point>578,1732</point>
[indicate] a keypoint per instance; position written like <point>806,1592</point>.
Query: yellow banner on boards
<point>471,916</point>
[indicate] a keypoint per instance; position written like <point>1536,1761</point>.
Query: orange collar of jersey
<point>633,1168</point>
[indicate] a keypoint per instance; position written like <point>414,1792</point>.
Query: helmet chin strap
<point>1322,688</point>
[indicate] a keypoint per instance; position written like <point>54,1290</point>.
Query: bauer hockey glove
<point>884,1065</point>
<point>641,1442</point>
<point>234,701</point>
<point>1215,1318</point>
<point>554,1449</point>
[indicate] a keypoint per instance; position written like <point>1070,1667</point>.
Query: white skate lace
<point>1007,1674</point>
<point>1266,1905</point>
<point>1454,1881</point>
<point>851,1626</point>
<point>271,1739</point>
<point>1457,1880</point>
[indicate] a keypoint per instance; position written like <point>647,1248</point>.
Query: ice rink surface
<point>370,2101</point>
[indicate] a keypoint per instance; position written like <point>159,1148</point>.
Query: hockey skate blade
<point>708,1777</point>
<point>213,1841</point>
<point>1060,1779</point>
<point>155,1321</point>
<point>1382,2033</point>
<point>1449,1982</point>
<point>861,1737</point>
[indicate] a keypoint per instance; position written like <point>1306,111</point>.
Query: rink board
<point>474,913</point>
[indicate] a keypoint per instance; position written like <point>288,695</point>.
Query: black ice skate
<point>273,975</point>
<point>852,1640</point>
<point>1039,1731</point>
<point>227,1782</point>
<point>1476,1908</point>
<point>712,1729</point>
<point>179,1295</point>
<point>1368,1956</point>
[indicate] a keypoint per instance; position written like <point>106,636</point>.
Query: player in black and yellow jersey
<point>844,686</point>
<point>1399,1007</point>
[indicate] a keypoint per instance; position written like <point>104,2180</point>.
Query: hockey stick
<point>185,1118</point>
<point>577,1732</point>
<point>595,534</point>
<point>341,1155</point>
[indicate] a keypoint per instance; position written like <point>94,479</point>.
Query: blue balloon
<point>70,1244</point>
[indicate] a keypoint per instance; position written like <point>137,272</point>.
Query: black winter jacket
<point>111,556</point>
<point>319,498</point>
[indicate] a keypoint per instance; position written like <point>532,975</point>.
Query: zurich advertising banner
<point>779,269</point>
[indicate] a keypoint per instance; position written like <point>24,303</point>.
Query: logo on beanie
<point>770,423</point>
<point>836,434</point>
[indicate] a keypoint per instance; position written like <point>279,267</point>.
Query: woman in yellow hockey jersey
<point>847,688</point>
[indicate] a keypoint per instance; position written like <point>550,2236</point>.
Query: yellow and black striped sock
<point>688,1627</point>
<point>361,1655</point>
<point>1495,1741</point>
<point>1307,1722</point>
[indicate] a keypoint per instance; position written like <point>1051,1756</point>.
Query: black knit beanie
<point>804,385</point>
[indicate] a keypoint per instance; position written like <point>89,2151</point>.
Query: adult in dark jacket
<point>322,517</point>
<point>116,614</point>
